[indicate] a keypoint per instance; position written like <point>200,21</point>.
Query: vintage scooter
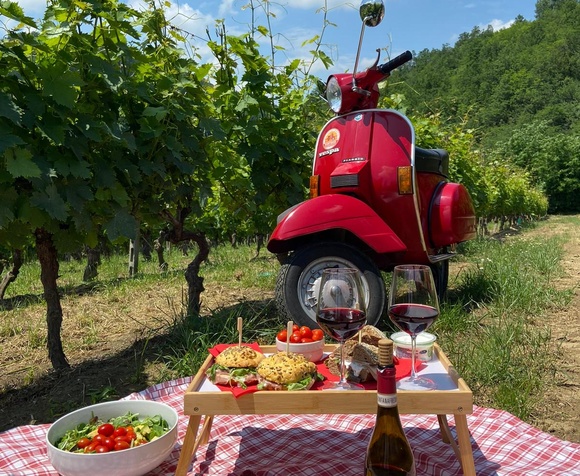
<point>376,199</point>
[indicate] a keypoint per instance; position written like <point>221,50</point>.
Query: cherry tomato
<point>317,334</point>
<point>122,445</point>
<point>131,434</point>
<point>304,340</point>
<point>121,431</point>
<point>91,447</point>
<point>102,449</point>
<point>122,438</point>
<point>106,429</point>
<point>295,328</point>
<point>109,442</point>
<point>295,338</point>
<point>99,438</point>
<point>305,332</point>
<point>282,335</point>
<point>83,443</point>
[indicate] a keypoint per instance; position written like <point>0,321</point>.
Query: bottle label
<point>387,400</point>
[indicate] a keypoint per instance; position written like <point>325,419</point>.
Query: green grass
<point>491,325</point>
<point>492,328</point>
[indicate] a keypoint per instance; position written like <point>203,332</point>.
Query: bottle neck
<point>386,387</point>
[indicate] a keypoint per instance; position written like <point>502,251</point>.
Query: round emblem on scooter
<point>331,138</point>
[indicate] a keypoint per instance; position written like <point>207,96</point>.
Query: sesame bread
<point>239,357</point>
<point>283,368</point>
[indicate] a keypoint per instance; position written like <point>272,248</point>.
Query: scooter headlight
<point>334,94</point>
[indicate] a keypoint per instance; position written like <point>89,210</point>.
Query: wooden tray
<point>325,401</point>
<point>458,403</point>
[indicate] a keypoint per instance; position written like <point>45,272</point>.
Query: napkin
<point>402,369</point>
<point>236,391</point>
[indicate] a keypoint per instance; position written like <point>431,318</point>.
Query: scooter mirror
<point>371,12</point>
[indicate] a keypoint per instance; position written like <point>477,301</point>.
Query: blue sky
<point>408,24</point>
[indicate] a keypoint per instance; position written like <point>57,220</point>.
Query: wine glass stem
<point>342,364</point>
<point>413,348</point>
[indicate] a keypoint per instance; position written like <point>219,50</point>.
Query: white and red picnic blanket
<point>323,445</point>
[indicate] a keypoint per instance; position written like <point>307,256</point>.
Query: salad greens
<point>146,429</point>
<point>236,374</point>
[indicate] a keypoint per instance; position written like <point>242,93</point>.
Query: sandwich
<point>362,361</point>
<point>370,335</point>
<point>286,371</point>
<point>235,366</point>
<point>362,357</point>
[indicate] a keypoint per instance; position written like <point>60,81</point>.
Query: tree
<point>82,121</point>
<point>107,126</point>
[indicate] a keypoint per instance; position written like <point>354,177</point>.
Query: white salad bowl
<point>135,461</point>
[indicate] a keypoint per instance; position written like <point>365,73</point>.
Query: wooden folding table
<point>199,403</point>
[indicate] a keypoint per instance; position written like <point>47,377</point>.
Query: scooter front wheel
<point>299,277</point>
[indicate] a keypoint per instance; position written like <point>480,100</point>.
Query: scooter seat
<point>435,161</point>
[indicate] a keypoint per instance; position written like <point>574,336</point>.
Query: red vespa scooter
<point>376,200</point>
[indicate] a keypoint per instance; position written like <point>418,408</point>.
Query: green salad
<point>119,433</point>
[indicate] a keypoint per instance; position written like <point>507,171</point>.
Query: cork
<point>385,352</point>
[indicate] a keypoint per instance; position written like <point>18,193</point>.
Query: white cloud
<point>316,4</point>
<point>498,24</point>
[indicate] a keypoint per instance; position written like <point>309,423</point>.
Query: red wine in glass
<point>413,306</point>
<point>341,323</point>
<point>413,318</point>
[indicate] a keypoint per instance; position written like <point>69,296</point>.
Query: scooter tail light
<point>405,180</point>
<point>314,190</point>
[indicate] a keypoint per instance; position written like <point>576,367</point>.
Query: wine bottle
<point>388,452</point>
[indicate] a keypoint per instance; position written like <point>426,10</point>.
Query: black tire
<point>298,277</point>
<point>440,272</point>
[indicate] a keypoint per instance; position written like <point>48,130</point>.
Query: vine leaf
<point>51,202</point>
<point>122,225</point>
<point>19,163</point>
<point>62,87</point>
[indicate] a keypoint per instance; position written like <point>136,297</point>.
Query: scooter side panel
<point>335,211</point>
<point>392,146</point>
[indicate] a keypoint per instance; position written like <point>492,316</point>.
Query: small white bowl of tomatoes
<point>303,340</point>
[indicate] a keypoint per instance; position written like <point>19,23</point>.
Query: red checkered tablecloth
<point>323,445</point>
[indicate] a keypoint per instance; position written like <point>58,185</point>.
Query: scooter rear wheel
<point>299,276</point>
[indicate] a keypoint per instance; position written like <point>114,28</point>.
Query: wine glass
<point>413,307</point>
<point>341,312</point>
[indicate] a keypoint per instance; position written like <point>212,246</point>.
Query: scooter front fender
<point>334,211</point>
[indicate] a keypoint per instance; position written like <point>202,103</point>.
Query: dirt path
<point>560,412</point>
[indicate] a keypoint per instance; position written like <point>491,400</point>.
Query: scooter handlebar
<point>400,60</point>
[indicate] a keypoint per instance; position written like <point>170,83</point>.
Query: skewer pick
<point>288,334</point>
<point>240,324</point>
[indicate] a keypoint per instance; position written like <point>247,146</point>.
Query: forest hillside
<point>517,88</point>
